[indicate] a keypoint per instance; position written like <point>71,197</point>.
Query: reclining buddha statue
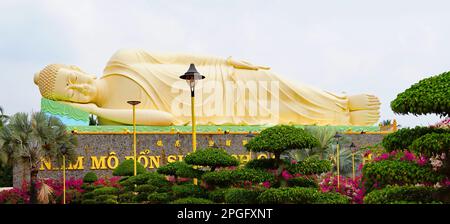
<point>234,92</point>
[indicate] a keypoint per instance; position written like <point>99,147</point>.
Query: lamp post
<point>64,152</point>
<point>352,148</point>
<point>249,136</point>
<point>191,77</point>
<point>134,103</point>
<point>337,136</point>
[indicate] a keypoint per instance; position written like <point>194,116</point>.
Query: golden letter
<point>97,164</point>
<point>154,162</point>
<point>78,165</point>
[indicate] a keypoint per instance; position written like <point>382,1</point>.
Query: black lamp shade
<point>192,74</point>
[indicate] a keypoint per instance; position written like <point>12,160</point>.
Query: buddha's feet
<point>364,109</point>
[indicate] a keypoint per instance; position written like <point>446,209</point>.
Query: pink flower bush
<point>14,196</point>
<point>402,156</point>
<point>347,186</point>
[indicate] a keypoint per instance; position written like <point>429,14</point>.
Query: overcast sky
<point>377,47</point>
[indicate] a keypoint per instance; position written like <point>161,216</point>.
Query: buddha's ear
<point>36,78</point>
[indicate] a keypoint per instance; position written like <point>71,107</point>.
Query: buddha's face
<point>75,86</point>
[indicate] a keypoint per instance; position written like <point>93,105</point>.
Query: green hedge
<point>192,200</point>
<point>222,178</point>
<point>126,168</point>
<point>432,144</point>
<point>395,194</point>
<point>159,198</point>
<point>217,195</point>
<point>212,157</point>
<point>302,182</point>
<point>261,164</point>
<point>241,196</point>
<point>388,172</point>
<point>126,197</point>
<point>188,190</point>
<point>152,178</point>
<point>300,195</point>
<point>310,166</point>
<point>141,197</point>
<point>226,178</point>
<point>90,177</point>
<point>147,188</point>
<point>403,138</point>
<point>105,191</point>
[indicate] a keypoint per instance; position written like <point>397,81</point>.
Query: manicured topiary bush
<point>224,178</point>
<point>192,200</point>
<point>126,168</point>
<point>140,198</point>
<point>188,190</point>
<point>217,195</point>
<point>189,172</point>
<point>88,201</point>
<point>126,197</point>
<point>302,182</point>
<point>241,196</point>
<point>159,198</point>
<point>430,95</point>
<point>389,172</point>
<point>310,166</point>
<point>261,164</point>
<point>395,194</point>
<point>281,138</point>
<point>105,191</point>
<point>432,144</point>
<point>90,177</point>
<point>212,157</point>
<point>403,138</point>
<point>147,188</point>
<point>300,195</point>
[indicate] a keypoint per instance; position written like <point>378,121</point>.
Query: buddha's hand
<point>87,107</point>
<point>244,64</point>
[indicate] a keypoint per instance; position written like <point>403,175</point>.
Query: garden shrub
<point>241,196</point>
<point>432,144</point>
<point>126,168</point>
<point>90,187</point>
<point>261,164</point>
<point>90,177</point>
<point>222,178</point>
<point>105,191</point>
<point>294,195</point>
<point>388,172</point>
<point>126,197</point>
<point>192,200</point>
<point>212,157</point>
<point>188,190</point>
<point>159,198</point>
<point>110,201</point>
<point>147,188</point>
<point>395,194</point>
<point>89,201</point>
<point>310,166</point>
<point>332,198</point>
<point>141,197</point>
<point>302,182</point>
<point>429,95</point>
<point>280,138</point>
<point>252,175</point>
<point>403,138</point>
<point>189,172</point>
<point>217,195</point>
<point>88,195</point>
<point>142,179</point>
<point>105,197</point>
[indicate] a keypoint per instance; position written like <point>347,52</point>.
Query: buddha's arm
<point>125,116</point>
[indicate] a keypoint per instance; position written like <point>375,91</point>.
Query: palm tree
<point>324,135</point>
<point>28,140</point>
<point>3,118</point>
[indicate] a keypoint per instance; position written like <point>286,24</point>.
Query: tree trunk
<point>33,190</point>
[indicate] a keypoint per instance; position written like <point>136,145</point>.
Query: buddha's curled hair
<point>45,79</point>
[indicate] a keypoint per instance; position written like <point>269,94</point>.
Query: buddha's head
<point>66,83</point>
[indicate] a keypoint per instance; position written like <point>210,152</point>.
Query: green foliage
<point>431,144</point>
<point>126,197</point>
<point>188,190</point>
<point>159,198</point>
<point>299,195</point>
<point>105,191</point>
<point>302,182</point>
<point>430,95</point>
<point>403,138</point>
<point>332,198</point>
<point>192,200</point>
<point>395,194</point>
<point>141,197</point>
<point>6,177</point>
<point>126,168</point>
<point>88,195</point>
<point>147,188</point>
<point>217,195</point>
<point>145,178</point>
<point>281,138</point>
<point>261,164</point>
<point>211,157</point>
<point>388,172</point>
<point>90,177</point>
<point>241,196</point>
<point>103,199</point>
<point>89,201</point>
<point>310,166</point>
<point>171,168</point>
<point>226,178</point>
<point>324,135</point>
<point>89,187</point>
<point>189,172</point>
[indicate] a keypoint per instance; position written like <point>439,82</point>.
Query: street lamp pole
<point>337,136</point>
<point>64,152</point>
<point>352,147</point>
<point>134,103</point>
<point>191,77</point>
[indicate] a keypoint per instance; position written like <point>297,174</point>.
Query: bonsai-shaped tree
<point>179,169</point>
<point>211,157</point>
<point>280,139</point>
